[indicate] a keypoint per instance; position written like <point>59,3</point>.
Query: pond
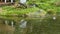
<point>19,25</point>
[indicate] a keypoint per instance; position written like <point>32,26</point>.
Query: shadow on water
<point>18,25</point>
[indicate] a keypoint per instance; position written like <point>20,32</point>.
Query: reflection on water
<point>12,23</point>
<point>23,23</point>
<point>6,22</point>
<point>54,18</point>
<point>30,26</point>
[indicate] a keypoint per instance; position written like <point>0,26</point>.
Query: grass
<point>9,10</point>
<point>42,4</point>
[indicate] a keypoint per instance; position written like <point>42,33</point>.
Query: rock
<point>33,5</point>
<point>16,5</point>
<point>23,1</point>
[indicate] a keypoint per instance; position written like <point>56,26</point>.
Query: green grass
<point>42,4</point>
<point>8,10</point>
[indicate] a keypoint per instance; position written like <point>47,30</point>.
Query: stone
<point>23,1</point>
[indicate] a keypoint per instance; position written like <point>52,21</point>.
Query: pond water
<point>30,25</point>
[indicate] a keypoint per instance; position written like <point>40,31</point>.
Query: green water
<point>34,26</point>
